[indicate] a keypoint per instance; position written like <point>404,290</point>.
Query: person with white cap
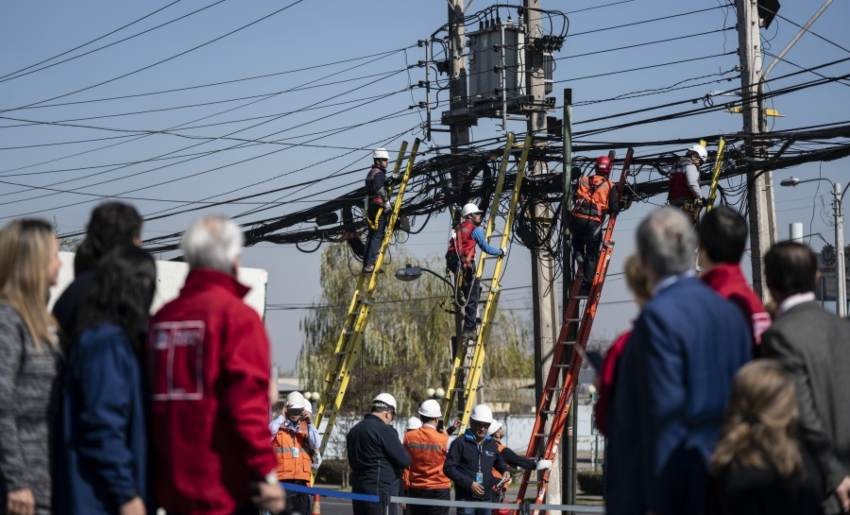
<point>377,198</point>
<point>471,460</point>
<point>684,191</point>
<point>497,432</point>
<point>293,449</point>
<point>460,260</point>
<point>376,457</point>
<point>428,447</point>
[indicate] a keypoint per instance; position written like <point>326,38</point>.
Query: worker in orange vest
<point>512,459</point>
<point>427,448</point>
<point>595,197</point>
<point>294,454</point>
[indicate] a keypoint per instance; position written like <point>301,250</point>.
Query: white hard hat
<point>495,426</point>
<point>430,409</point>
<point>413,423</point>
<point>469,209</point>
<point>482,413</point>
<point>385,398</point>
<point>380,153</point>
<point>699,150</point>
<point>295,401</point>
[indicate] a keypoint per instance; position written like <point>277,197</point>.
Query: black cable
<point>647,67</point>
<point>650,20</point>
<point>161,61</point>
<point>108,45</point>
<point>89,42</point>
<point>645,43</point>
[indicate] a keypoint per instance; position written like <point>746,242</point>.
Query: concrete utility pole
<point>457,76</point>
<point>760,195</point>
<point>545,303</point>
<point>838,213</point>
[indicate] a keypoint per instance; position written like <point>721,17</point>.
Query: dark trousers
<point>374,237</point>
<point>443,495</point>
<point>586,240</point>
<point>467,293</point>
<point>298,502</point>
<point>368,508</point>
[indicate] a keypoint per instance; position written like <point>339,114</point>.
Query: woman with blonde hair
<point>758,465</point>
<point>29,360</point>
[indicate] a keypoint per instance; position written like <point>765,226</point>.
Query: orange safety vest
<point>293,461</point>
<point>427,448</point>
<point>592,198</point>
<point>497,476</point>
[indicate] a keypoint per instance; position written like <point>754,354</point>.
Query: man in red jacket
<point>722,240</point>
<point>209,378</point>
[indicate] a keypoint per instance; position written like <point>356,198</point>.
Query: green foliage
<point>406,346</point>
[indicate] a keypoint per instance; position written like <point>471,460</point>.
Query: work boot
<point>368,269</point>
<point>469,334</point>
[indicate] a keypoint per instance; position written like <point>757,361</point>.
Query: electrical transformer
<point>496,67</point>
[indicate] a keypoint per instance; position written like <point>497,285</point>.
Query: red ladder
<point>565,364</point>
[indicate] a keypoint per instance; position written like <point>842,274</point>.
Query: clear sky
<point>317,32</point>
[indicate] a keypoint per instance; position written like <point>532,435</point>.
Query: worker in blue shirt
<point>460,259</point>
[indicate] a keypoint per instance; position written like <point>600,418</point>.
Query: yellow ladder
<point>348,345</point>
<point>715,174</point>
<point>468,363</point>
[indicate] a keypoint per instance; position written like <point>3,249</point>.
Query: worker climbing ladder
<point>468,362</point>
<point>562,377</point>
<point>350,337</point>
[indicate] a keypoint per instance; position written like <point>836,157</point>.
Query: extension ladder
<point>468,362</point>
<point>563,373</point>
<point>348,345</point>
<point>715,174</point>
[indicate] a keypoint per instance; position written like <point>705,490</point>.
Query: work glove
<point>544,464</point>
<point>502,253</point>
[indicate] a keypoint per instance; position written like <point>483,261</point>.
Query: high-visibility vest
<point>679,189</point>
<point>293,461</point>
<point>592,198</point>
<point>427,448</point>
<point>461,243</point>
<point>497,476</point>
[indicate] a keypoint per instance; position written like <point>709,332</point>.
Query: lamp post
<point>838,215</point>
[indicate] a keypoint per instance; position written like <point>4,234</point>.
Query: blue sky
<point>316,32</point>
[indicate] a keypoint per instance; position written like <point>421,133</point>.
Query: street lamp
<point>412,273</point>
<point>838,215</point>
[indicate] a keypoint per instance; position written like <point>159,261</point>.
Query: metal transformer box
<point>496,68</point>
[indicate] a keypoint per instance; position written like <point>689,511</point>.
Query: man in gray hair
<point>209,378</point>
<point>673,379</point>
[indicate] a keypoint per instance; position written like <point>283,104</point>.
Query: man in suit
<point>673,380</point>
<point>815,348</point>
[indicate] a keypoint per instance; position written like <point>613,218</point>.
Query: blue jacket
<point>376,456</point>
<point>102,458</point>
<point>669,399</point>
<point>466,458</point>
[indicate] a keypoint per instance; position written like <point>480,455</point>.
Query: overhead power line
<point>650,20</point>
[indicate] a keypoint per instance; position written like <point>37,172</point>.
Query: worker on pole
<point>595,197</point>
<point>377,199</point>
<point>376,457</point>
<point>471,460</point>
<point>684,190</point>
<point>292,447</point>
<point>460,260</point>
<point>427,448</point>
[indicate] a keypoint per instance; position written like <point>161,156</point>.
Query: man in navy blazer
<point>673,380</point>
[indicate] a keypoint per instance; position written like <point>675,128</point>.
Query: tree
<point>406,346</point>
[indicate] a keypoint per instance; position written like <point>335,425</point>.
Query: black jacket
<point>376,457</point>
<point>67,309</point>
<point>466,457</point>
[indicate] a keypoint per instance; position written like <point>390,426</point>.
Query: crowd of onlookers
<point>711,403</point>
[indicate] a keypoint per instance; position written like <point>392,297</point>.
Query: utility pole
<point>457,77</point>
<point>760,184</point>
<point>542,263</point>
<point>838,213</point>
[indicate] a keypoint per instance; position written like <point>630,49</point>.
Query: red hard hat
<point>603,165</point>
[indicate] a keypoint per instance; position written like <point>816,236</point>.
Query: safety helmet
<point>469,209</point>
<point>295,401</point>
<point>430,409</point>
<point>482,413</point>
<point>380,153</point>
<point>413,423</point>
<point>603,165</point>
<point>494,427</point>
<point>385,398</point>
<point>699,150</point>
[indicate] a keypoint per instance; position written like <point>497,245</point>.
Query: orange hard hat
<point>603,165</point>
